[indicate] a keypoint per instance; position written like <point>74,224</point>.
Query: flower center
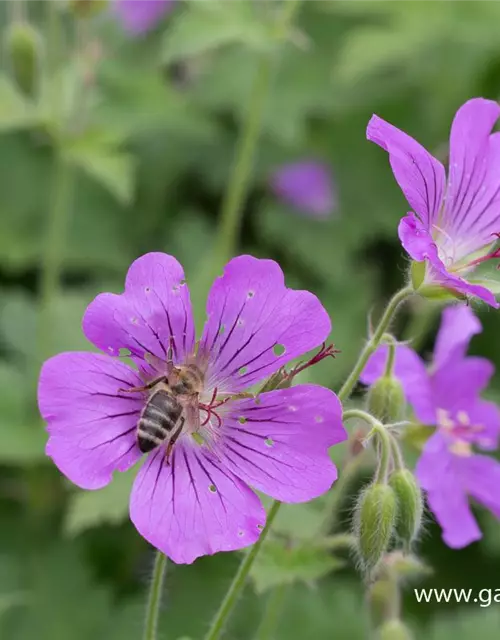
<point>458,430</point>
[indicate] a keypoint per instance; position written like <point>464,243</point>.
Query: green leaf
<point>112,168</point>
<point>23,438</point>
<point>471,624</point>
<point>109,505</point>
<point>15,111</point>
<point>19,322</point>
<point>203,26</point>
<point>277,564</point>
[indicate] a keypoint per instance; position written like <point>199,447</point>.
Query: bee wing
<point>162,366</point>
<point>192,413</point>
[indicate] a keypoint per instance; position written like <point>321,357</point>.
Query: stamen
<point>493,255</point>
<point>324,352</point>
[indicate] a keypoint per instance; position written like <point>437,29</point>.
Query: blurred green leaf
<point>19,321</point>
<point>109,505</point>
<point>113,168</point>
<point>203,26</point>
<point>482,623</point>
<point>277,564</point>
<point>23,438</point>
<point>15,111</point>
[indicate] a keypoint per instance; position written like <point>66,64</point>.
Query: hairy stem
<point>373,342</point>
<point>154,599</point>
<point>272,613</point>
<point>239,580</point>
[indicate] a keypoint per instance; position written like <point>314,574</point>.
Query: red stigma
<point>324,352</point>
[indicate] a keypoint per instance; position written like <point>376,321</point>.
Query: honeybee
<point>172,399</point>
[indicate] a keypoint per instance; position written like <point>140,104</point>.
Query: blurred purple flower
<point>306,186</point>
<point>198,502</point>
<point>139,16</point>
<point>447,395</point>
<point>454,223</point>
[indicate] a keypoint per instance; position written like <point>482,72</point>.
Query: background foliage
<point>150,140</point>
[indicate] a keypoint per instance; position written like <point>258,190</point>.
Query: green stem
<point>53,35</point>
<point>385,453</point>
<point>361,415</point>
<point>54,248</point>
<point>374,342</point>
<point>272,613</point>
<point>336,495</point>
<point>154,600</point>
<point>234,198</point>
<point>391,355</point>
<point>239,580</point>
<point>397,457</point>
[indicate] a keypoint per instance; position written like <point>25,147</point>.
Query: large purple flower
<point>447,395</point>
<point>454,223</point>
<point>307,186</point>
<point>195,498</point>
<point>139,16</point>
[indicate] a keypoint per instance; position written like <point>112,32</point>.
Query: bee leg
<point>173,440</point>
<point>146,387</point>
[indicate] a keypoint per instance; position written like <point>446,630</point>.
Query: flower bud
<point>374,523</point>
<point>394,630</point>
<point>382,596</point>
<point>24,48</point>
<point>406,566</point>
<point>409,505</point>
<point>386,400</point>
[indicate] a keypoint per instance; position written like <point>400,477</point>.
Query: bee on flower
<point>186,404</point>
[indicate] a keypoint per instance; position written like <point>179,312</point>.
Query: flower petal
<point>155,306</point>
<point>410,370</point>
<point>416,239</point>
<point>256,325</point>
<point>439,473</point>
<point>458,382</point>
<point>482,479</point>
<point>420,176</point>
<point>279,442</point>
<point>439,275</point>
<point>194,506</point>
<point>459,325</point>
<point>306,185</point>
<point>472,213</point>
<point>92,427</point>
<point>139,16</point>
<point>485,418</point>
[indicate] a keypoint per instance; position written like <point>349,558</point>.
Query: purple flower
<point>139,16</point>
<point>454,223</point>
<point>193,498</point>
<point>447,395</point>
<point>306,186</point>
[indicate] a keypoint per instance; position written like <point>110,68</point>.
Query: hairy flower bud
<point>374,524</point>
<point>394,630</point>
<point>24,49</point>
<point>386,400</point>
<point>409,505</point>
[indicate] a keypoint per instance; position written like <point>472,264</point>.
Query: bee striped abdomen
<point>158,419</point>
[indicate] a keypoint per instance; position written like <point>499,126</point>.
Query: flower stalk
<point>373,342</point>
<point>237,190</point>
<point>154,599</point>
<point>239,580</point>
